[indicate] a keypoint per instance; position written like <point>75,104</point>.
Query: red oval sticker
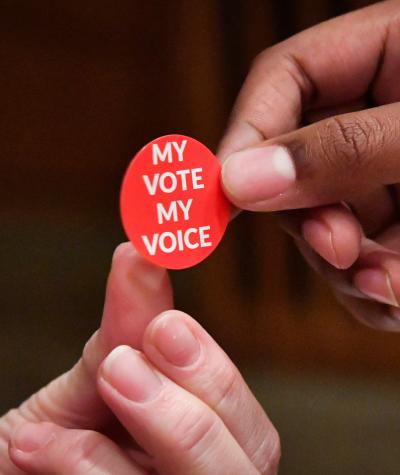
<point>173,208</point>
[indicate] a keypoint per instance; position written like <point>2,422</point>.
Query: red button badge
<point>172,205</point>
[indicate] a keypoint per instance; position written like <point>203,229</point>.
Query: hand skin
<point>136,293</point>
<point>334,183</point>
<point>315,136</point>
<point>152,394</point>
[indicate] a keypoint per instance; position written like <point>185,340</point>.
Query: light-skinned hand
<point>152,394</point>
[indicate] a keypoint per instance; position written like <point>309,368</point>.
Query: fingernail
<point>320,238</point>
<point>376,284</point>
<point>31,437</point>
<point>130,375</point>
<point>175,341</point>
<point>258,174</point>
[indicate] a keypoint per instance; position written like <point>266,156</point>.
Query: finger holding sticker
<point>172,205</point>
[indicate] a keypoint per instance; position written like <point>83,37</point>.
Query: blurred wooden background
<point>83,85</point>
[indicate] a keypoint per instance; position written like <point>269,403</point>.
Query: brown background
<point>83,85</point>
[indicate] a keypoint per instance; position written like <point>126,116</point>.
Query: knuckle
<point>195,431</point>
<point>9,421</point>
<point>350,143</point>
<point>264,447</point>
<point>259,59</point>
<point>226,386</point>
<point>266,55</point>
<point>91,356</point>
<point>268,455</point>
<point>45,404</point>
